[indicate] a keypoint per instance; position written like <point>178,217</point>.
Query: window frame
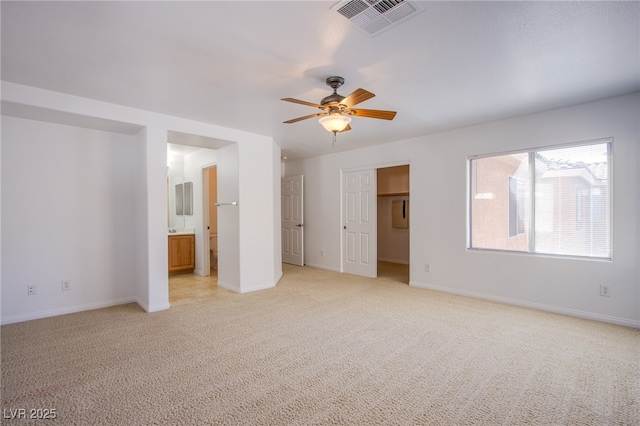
<point>516,202</point>
<point>531,152</point>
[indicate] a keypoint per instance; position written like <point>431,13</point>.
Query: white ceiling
<point>229,63</point>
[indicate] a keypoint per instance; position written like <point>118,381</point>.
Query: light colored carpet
<point>324,348</point>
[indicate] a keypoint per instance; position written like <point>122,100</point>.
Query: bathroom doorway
<point>210,219</point>
<point>192,155</point>
<point>186,288</point>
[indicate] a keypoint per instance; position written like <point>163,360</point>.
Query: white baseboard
<point>228,286</point>
<point>532,305</point>
<point>160,307</point>
<point>69,310</point>
<point>258,288</point>
<point>333,269</point>
<point>325,267</point>
<point>235,289</point>
<point>143,305</point>
<point>152,308</point>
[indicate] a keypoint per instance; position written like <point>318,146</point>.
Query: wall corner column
<point>154,295</point>
<point>259,182</point>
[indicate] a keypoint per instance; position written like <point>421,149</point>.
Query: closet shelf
<point>393,194</point>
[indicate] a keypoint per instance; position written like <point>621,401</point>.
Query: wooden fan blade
<point>298,101</point>
<point>374,113</point>
<point>295,120</point>
<point>359,95</point>
<point>345,129</point>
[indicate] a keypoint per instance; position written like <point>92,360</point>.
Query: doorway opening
<point>210,219</point>
<point>189,287</point>
<point>393,222</point>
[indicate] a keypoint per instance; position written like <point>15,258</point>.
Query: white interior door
<point>293,220</point>
<point>359,223</point>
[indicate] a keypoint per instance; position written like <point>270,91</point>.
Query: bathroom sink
<point>181,231</point>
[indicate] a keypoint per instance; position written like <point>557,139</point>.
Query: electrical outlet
<point>66,285</point>
<point>427,267</point>
<point>605,290</point>
<point>31,289</point>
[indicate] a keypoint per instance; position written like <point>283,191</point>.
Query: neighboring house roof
<point>594,173</point>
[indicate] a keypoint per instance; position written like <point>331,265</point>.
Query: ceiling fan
<point>337,109</point>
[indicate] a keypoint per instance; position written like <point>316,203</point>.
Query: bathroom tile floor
<point>189,288</point>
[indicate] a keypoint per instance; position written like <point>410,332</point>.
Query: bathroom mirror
<point>184,198</point>
<point>179,191</point>
<point>180,201</point>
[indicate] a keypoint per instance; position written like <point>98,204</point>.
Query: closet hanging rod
<point>232,203</point>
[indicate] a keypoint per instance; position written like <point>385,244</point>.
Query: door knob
<point>299,225</point>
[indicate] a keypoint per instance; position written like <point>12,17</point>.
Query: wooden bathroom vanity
<point>182,252</point>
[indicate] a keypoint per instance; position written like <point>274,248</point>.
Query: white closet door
<point>359,223</point>
<point>293,220</point>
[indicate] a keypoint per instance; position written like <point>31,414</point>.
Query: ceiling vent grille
<point>375,16</point>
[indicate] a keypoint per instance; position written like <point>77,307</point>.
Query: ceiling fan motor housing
<point>331,99</point>
<point>334,82</point>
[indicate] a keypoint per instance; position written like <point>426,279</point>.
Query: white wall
<point>438,212</point>
<point>140,213</point>
<point>277,211</point>
<point>69,211</point>
<point>148,214</point>
<point>155,143</point>
<point>228,219</point>
<point>259,196</point>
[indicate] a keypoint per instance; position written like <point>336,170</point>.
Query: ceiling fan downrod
<point>333,99</point>
<point>334,82</point>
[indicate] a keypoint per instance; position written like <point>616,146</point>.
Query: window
<point>552,201</point>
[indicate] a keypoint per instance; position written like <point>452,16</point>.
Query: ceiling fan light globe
<point>335,122</point>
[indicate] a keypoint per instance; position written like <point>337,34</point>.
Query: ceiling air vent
<point>375,16</point>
